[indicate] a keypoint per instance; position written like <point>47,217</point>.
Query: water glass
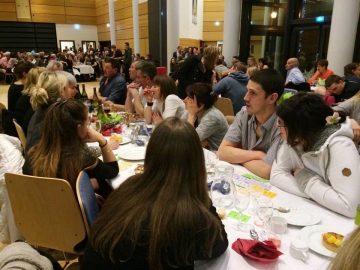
<point>211,161</point>
<point>241,203</point>
<point>256,189</point>
<point>223,188</point>
<point>264,210</point>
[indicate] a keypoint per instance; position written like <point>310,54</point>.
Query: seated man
<point>145,73</point>
<point>253,137</point>
<point>293,74</point>
<point>339,89</point>
<point>54,66</point>
<point>112,84</point>
<point>234,87</point>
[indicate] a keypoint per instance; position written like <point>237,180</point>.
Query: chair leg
<point>66,260</point>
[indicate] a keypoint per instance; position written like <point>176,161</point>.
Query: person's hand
<point>296,172</point>
<point>133,85</point>
<point>213,77</point>
<point>100,200</point>
<point>205,143</point>
<point>231,70</point>
<point>114,144</point>
<point>134,91</point>
<point>98,94</point>
<point>108,103</point>
<point>356,129</point>
<point>192,107</point>
<point>261,155</point>
<point>148,94</point>
<point>93,136</point>
<point>156,118</point>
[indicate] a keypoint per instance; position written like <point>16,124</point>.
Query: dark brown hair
<point>323,63</point>
<point>331,80</point>
<point>202,91</point>
<point>166,84</point>
<point>348,69</point>
<point>21,68</point>
<point>61,152</point>
<point>304,116</point>
<point>165,209</point>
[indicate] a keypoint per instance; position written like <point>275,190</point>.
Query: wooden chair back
<point>21,134</point>
<point>46,212</point>
<point>2,106</point>
<point>225,106</point>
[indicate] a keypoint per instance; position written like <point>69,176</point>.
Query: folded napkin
<point>254,249</point>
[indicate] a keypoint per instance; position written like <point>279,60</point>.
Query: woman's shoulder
<point>173,97</point>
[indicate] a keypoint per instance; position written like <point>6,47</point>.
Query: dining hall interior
<point>192,134</point>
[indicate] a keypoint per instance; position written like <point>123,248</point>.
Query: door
<point>309,44</point>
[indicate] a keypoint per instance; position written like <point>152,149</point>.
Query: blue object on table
<point>223,187</point>
<point>139,143</point>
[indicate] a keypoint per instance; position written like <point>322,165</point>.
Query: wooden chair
<point>2,107</point>
<point>87,200</point>
<point>225,106</point>
<point>46,212</point>
<point>21,134</point>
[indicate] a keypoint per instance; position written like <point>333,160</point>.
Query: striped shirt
<point>242,132</point>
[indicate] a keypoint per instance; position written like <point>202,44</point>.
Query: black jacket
<point>191,71</point>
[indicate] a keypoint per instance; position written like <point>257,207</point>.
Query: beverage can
<point>357,217</point>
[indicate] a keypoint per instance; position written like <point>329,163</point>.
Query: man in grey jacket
<point>234,87</point>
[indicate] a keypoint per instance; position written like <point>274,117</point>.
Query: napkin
<point>254,249</point>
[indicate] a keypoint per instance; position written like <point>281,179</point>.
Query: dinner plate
<point>137,153</point>
<point>300,215</point>
<point>312,235</point>
<point>125,140</point>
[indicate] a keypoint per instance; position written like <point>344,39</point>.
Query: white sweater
<point>324,175</point>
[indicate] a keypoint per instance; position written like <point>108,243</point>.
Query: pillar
<point>135,10</point>
<point>231,29</point>
<point>112,22</point>
<point>173,28</point>
<point>344,24</point>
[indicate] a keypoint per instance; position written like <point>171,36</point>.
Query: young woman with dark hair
<point>318,159</point>
<point>163,218</point>
<point>162,101</point>
<point>209,122</point>
<point>61,152</point>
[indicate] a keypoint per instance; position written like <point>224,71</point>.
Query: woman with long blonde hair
<point>163,218</point>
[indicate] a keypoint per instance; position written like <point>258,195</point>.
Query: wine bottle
<point>95,102</point>
<point>100,114</point>
<point>84,94</point>
<point>78,94</point>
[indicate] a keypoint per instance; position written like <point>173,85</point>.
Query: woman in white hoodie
<point>318,159</point>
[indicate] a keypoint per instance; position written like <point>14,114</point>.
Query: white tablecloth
<point>83,69</point>
<point>233,261</point>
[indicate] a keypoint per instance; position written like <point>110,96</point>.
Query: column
<point>231,29</point>
<point>135,10</point>
<point>112,22</point>
<point>267,12</point>
<point>173,28</point>
<point>344,22</point>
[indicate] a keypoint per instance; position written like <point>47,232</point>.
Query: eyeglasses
<point>278,124</point>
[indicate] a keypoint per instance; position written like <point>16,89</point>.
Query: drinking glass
<point>264,209</point>
<point>241,203</point>
<point>211,161</point>
<point>256,189</point>
<point>222,188</point>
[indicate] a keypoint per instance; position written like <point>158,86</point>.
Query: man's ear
<point>274,97</point>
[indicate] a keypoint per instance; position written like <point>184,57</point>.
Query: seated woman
<point>209,122</point>
<point>321,73</point>
<point>352,72</point>
<point>60,157</point>
<point>162,101</point>
<point>14,92</point>
<point>262,63</point>
<point>23,111</point>
<point>318,158</point>
<point>163,218</point>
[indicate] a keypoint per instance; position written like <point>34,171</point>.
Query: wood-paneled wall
<point>213,12</point>
<point>51,11</point>
<point>102,19</point>
<point>189,42</point>
<point>63,11</point>
<point>144,28</point>
<point>124,23</point>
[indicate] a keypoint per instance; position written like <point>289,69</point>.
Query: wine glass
<point>264,209</point>
<point>241,203</point>
<point>211,161</point>
<point>256,189</point>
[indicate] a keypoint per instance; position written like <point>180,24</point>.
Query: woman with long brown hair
<point>61,152</point>
<point>162,218</point>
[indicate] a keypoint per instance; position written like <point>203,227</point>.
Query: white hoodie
<point>329,176</point>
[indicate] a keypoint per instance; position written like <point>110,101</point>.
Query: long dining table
<point>233,261</point>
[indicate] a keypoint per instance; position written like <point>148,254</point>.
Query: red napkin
<point>260,251</point>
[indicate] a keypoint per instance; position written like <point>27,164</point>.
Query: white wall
<point>187,28</point>
<point>68,32</point>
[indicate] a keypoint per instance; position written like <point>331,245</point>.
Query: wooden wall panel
<point>144,46</point>
<point>8,16</point>
<point>144,32</point>
<point>101,28</point>
<point>104,36</point>
<point>102,10</point>
<point>213,36</point>
<point>48,3</point>
<point>120,43</point>
<point>211,27</point>
<point>124,24</point>
<point>120,4</point>
<point>189,42</point>
<point>81,20</point>
<point>76,11</point>
<point>214,16</point>
<point>143,20</point>
<point>123,13</point>
<point>103,19</point>
<point>214,6</point>
<point>47,10</point>
<point>8,7</point>
<point>48,18</point>
<point>143,8</point>
<point>100,3</point>
<point>125,34</point>
<point>77,3</point>
<point>7,1</point>
<point>213,12</point>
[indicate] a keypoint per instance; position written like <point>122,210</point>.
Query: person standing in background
<point>127,61</point>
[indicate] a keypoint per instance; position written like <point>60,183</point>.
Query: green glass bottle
<point>78,94</point>
<point>84,95</point>
<point>95,102</point>
<point>357,217</point>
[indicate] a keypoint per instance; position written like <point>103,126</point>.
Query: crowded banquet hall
<point>192,134</point>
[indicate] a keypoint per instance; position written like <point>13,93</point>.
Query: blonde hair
<point>210,56</point>
<point>348,257</point>
<point>251,70</point>
<point>31,79</point>
<point>51,85</point>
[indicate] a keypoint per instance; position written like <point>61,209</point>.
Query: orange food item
<point>332,241</point>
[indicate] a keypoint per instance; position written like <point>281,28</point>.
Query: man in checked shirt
<point>253,137</point>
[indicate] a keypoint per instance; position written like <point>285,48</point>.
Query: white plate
<point>312,235</point>
<point>125,140</point>
<point>299,215</point>
<point>136,153</point>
